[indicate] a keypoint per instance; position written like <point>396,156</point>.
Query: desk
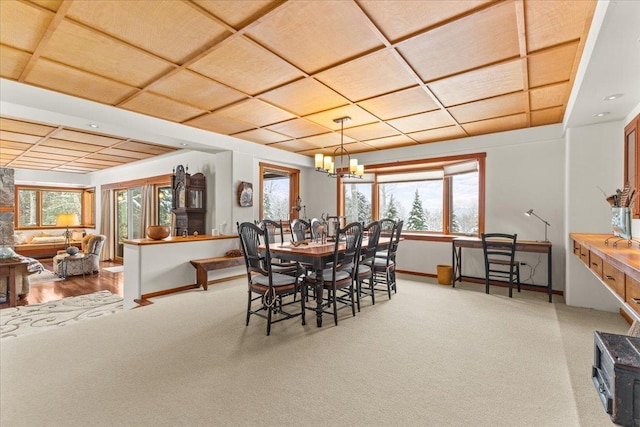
<point>318,255</point>
<point>476,243</point>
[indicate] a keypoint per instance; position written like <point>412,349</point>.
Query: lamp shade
<point>67,219</point>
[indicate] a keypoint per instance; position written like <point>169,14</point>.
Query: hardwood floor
<point>76,285</point>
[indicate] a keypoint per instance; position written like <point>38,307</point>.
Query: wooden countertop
<point>624,257</point>
<point>178,239</point>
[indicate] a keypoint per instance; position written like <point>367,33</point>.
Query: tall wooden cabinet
<point>189,201</point>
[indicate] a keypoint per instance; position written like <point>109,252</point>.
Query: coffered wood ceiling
<point>279,72</point>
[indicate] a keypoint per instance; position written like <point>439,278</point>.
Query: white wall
<point>524,170</point>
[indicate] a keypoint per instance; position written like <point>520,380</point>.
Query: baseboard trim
<point>145,298</point>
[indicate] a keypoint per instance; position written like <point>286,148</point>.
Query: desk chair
<point>499,259</point>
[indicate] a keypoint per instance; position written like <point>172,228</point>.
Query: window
<point>38,207</point>
<point>436,196</point>
<point>164,196</point>
<point>279,191</point>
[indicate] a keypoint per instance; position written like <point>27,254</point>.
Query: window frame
<point>294,188</point>
<point>422,165</point>
<point>87,205</point>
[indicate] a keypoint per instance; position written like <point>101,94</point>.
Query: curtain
<point>106,226</point>
<point>146,209</point>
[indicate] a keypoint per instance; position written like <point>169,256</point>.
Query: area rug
<point>116,269</point>
<point>44,276</point>
<point>29,319</point>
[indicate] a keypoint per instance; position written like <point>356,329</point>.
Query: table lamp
<point>66,220</point>
<point>546,224</point>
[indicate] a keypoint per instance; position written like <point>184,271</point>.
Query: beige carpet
<point>432,356</point>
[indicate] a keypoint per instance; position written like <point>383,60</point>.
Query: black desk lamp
<point>546,224</point>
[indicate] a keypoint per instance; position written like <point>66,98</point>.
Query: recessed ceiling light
<point>604,113</point>
<point>184,144</point>
<point>93,125</point>
<point>614,96</point>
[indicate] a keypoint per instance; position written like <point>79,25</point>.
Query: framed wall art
<point>245,194</point>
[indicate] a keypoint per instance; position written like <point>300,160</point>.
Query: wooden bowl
<point>158,232</point>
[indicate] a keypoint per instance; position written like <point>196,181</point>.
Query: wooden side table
<point>8,270</point>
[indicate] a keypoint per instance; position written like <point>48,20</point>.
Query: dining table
<point>317,255</point>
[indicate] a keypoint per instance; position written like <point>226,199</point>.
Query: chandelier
<point>337,166</point>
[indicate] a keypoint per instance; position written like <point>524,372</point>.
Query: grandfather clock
<point>189,201</point>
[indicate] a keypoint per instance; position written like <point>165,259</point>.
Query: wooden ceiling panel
<point>294,145</point>
<point>255,112</point>
<point>399,104</point>
<point>479,84</point>
<point>358,117</point>
<point>552,65</point>
<point>125,153</point>
<point>55,152</point>
<point>219,124</point>
<point>391,142</point>
<point>370,131</point>
<point>28,128</point>
<point>441,134</point>
<point>489,108</point>
<point>549,96</point>
<point>314,35</point>
<point>68,145</point>
<point>279,72</point>
<point>262,136</point>
<point>560,21</point>
<point>194,89</point>
<point>21,138</point>
<point>87,137</point>
<point>304,97</point>
<point>143,147</point>
<point>297,128</point>
<point>13,62</point>
<point>237,13</point>
<point>326,140</point>
<point>52,5</point>
<point>517,121</point>
<point>370,76</point>
<point>159,106</point>
<point>23,25</point>
<point>70,81</point>
<point>93,52</point>
<point>547,116</point>
<point>10,152</point>
<point>399,19</point>
<point>247,67</point>
<point>486,37</point>
<point>423,121</point>
<point>170,29</point>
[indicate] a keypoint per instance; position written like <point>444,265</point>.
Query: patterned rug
<point>24,320</point>
<point>45,276</point>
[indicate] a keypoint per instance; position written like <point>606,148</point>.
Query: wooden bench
<point>203,266</point>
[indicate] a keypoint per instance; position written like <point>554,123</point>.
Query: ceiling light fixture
<point>614,96</point>
<point>93,126</point>
<point>604,113</point>
<point>184,144</point>
<point>334,168</point>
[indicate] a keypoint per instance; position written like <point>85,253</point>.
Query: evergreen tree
<point>416,220</point>
<point>392,210</point>
<point>267,211</point>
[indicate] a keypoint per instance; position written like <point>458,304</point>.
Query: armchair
<point>90,261</point>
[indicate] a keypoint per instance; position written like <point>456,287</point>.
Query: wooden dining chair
<point>385,261</point>
<point>339,278</point>
<point>266,285</point>
<point>364,274</point>
<point>499,259</point>
<point>300,230</point>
